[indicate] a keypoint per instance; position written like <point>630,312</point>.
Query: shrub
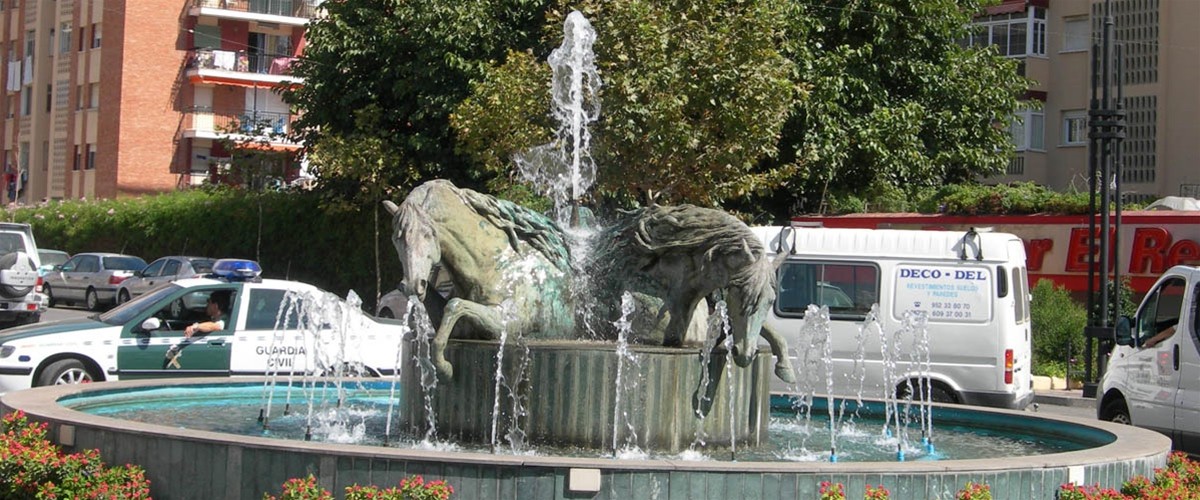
<point>832,491</point>
<point>1057,321</point>
<point>33,467</point>
<point>412,488</point>
<point>974,491</point>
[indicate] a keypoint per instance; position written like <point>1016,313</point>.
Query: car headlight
<point>6,351</point>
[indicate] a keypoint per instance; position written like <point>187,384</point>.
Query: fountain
<point>521,392</point>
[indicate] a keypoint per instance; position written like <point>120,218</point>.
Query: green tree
<point>694,97</point>
<point>895,100</point>
<point>410,63</point>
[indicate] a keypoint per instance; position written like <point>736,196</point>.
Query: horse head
<point>415,239</point>
<point>749,297</point>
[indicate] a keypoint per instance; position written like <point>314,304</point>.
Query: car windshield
<point>202,266</point>
<point>127,311</point>
<point>52,258</point>
<point>124,263</point>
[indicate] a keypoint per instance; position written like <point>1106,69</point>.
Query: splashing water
<point>627,384</point>
<point>564,170</point>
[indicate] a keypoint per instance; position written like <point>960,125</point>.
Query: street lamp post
<point>1106,132</point>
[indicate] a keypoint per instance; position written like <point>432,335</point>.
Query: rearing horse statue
<point>494,251</point>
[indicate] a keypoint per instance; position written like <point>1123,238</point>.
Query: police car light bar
<point>236,270</point>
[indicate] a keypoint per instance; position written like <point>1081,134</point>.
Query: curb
<point>1064,400</point>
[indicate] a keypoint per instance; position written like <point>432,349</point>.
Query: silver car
<point>90,278</point>
<point>163,270</point>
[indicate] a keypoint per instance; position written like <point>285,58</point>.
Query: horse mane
<point>521,223</point>
<point>688,229</point>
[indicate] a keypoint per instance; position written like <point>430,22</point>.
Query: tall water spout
<point>564,170</point>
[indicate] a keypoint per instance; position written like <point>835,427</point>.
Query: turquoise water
<point>362,418</point>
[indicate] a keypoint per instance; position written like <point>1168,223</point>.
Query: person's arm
<point>1161,336</point>
<point>204,328</point>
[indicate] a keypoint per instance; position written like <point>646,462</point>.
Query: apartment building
<point>1053,40</point>
<point>109,98</point>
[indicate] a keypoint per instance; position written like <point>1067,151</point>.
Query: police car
<point>271,327</point>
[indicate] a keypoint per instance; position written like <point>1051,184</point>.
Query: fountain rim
<point>41,404</point>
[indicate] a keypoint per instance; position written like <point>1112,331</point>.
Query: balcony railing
<point>248,122</point>
<point>292,8</point>
<point>241,61</point>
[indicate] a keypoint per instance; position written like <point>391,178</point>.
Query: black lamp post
<point>1106,132</point>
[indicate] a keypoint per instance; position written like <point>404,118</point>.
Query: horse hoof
<point>785,373</point>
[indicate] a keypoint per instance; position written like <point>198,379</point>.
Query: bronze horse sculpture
<point>498,253</point>
<point>494,251</point>
<point>681,256</point>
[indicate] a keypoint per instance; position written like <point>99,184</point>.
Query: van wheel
<point>65,371</point>
<point>1116,412</point>
<point>937,393</point>
<point>16,261</point>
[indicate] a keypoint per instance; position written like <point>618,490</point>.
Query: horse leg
<point>481,319</point>
<point>783,364</point>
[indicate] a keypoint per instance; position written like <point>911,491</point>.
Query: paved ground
<point>1069,403</point>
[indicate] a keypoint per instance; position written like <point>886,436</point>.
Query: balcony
<point>239,67</point>
<point>289,12</point>
<point>269,128</point>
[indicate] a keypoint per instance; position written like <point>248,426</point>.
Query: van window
<point>849,289</point>
<point>1020,293</point>
<point>1001,283</point>
<point>1161,308</point>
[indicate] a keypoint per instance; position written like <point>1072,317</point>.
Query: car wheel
<point>386,313</point>
<point>49,295</point>
<point>92,300</point>
<point>122,296</point>
<point>66,371</point>
<point>1116,412</point>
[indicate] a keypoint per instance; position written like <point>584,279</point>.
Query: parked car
<point>90,278</point>
<point>144,338</point>
<point>163,270</point>
<point>20,300</point>
<point>49,259</point>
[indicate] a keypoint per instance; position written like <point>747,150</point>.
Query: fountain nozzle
<point>900,452</point>
<point>833,455</point>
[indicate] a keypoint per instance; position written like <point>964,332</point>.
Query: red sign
<point>1056,246</point>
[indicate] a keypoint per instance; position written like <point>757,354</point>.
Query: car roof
<point>48,251</point>
<point>266,283</point>
<point>105,254</point>
<point>184,257</point>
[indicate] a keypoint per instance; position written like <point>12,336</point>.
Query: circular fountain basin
<point>183,461</point>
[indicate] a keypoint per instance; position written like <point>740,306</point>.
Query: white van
<point>1158,386</point>
<point>969,289</point>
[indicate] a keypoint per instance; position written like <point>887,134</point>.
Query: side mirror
<point>57,268</point>
<point>1124,331</point>
<point>151,324</point>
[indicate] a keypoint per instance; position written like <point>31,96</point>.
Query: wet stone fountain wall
<point>570,392</point>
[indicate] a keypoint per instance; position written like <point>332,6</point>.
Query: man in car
<point>217,310</point>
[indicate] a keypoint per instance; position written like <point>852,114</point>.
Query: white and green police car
<point>270,328</point>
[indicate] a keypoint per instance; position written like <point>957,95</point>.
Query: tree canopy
<point>769,106</point>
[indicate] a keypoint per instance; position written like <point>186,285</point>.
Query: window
<point>1075,130</point>
<point>81,37</point>
<point>91,157</point>
<point>75,165</point>
<point>154,269</point>
<point>848,289</point>
<point>93,95</point>
<point>96,36</point>
<point>1020,292</point>
<point>49,95</point>
<point>1029,130</point>
<point>79,97</point>
<point>264,308</point>
<point>64,38</point>
<point>1161,308</point>
<point>26,100</point>
<point>1077,34</point>
<point>1015,35</point>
